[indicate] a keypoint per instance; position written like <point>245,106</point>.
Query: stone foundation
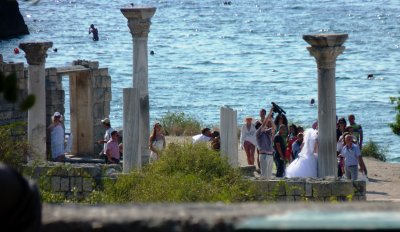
<point>82,178</point>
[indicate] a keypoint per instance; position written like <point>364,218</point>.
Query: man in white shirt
<point>205,136</point>
<point>107,136</point>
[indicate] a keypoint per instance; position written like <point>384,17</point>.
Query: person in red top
<point>291,138</point>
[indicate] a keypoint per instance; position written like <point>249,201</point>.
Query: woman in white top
<point>156,142</point>
<point>307,162</point>
<point>248,140</point>
<point>56,130</point>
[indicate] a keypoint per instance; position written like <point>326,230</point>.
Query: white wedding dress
<point>307,163</point>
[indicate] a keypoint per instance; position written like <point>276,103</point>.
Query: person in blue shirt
<point>352,155</point>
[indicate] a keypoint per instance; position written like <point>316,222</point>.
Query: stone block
<point>277,187</point>
<point>51,71</point>
<point>103,72</point>
<point>248,170</point>
<point>107,108</point>
<point>76,182</point>
<point>65,184</point>
<point>107,94</point>
<point>342,188</point>
<point>98,110</point>
<point>261,185</point>
<point>359,187</point>
<point>55,183</point>
<point>322,189</point>
<point>93,64</point>
<point>92,171</point>
<point>95,73</point>
<point>360,198</point>
<point>295,188</point>
<point>87,184</point>
<point>309,190</point>
<point>22,84</point>
<point>299,198</point>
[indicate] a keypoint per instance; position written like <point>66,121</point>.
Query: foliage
<point>13,146</point>
<point>396,125</point>
<point>180,124</point>
<point>372,149</point>
<point>184,173</point>
<point>9,87</point>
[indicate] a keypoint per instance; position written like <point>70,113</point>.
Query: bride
<point>307,162</point>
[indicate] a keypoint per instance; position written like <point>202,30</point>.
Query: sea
<point>243,54</point>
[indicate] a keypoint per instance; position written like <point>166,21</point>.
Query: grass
<point>184,173</point>
<point>372,149</point>
<point>14,146</point>
<point>178,124</point>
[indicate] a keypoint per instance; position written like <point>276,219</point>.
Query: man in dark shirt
<point>279,156</point>
<point>95,32</point>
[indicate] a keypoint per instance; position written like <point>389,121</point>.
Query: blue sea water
<point>242,55</point>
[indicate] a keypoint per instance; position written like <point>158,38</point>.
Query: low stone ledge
<point>220,217</point>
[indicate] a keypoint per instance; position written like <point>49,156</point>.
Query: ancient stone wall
<point>10,112</point>
<point>81,179</point>
<point>71,180</point>
<point>98,97</point>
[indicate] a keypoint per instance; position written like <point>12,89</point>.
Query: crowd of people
<point>294,151</point>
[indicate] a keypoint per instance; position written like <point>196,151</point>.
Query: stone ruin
<point>90,96</point>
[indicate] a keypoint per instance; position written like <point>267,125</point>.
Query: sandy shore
<point>384,178</point>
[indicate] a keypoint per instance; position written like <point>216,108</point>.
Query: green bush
<point>372,149</point>
<point>396,125</point>
<point>180,124</point>
<point>14,145</point>
<point>184,173</point>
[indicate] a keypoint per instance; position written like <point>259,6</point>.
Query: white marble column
<point>228,133</point>
<point>131,138</point>
<point>325,49</point>
<point>139,24</point>
<point>35,54</point>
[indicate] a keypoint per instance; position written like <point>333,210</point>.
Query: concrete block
<point>295,188</point>
<point>322,189</point>
<point>103,72</point>
<point>342,188</point>
<point>51,71</point>
<point>76,182</point>
<point>87,184</point>
<point>247,170</point>
<point>277,187</point>
<point>309,190</point>
<point>261,185</point>
<point>55,183</point>
<point>64,181</point>
<point>359,187</point>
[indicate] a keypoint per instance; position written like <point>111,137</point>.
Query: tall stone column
<point>131,138</point>
<point>35,54</point>
<point>139,25</point>
<point>325,49</point>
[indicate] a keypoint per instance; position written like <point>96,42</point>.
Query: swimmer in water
<point>95,32</point>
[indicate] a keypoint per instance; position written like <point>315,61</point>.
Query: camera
<point>277,109</point>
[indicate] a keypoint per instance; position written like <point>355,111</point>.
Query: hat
<point>106,120</point>
<point>248,116</point>
<point>57,114</point>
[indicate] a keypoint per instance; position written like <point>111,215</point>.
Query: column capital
<point>326,56</point>
<point>139,19</point>
<point>325,48</point>
<point>35,52</point>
